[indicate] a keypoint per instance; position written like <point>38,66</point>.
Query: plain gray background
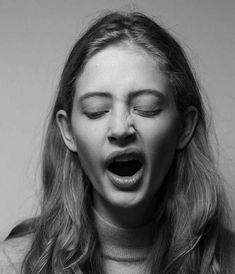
<point>35,39</point>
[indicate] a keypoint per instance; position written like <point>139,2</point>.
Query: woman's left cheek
<point>162,145</point>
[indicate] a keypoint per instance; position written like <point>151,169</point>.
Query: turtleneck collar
<point>123,244</point>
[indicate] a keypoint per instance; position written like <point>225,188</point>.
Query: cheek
<point>161,142</point>
<point>88,157</point>
<point>88,141</point>
<point>162,131</point>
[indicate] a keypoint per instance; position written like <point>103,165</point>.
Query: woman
<point>129,180</point>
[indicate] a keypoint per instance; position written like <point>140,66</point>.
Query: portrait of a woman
<point>128,174</point>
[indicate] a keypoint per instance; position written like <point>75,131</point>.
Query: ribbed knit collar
<point>123,244</point>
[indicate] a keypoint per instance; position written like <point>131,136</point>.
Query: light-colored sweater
<point>12,253</point>
<point>124,250</point>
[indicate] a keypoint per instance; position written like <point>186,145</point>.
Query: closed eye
<point>147,111</point>
<point>96,114</point>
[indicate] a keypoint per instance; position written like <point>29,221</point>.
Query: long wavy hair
<point>189,236</point>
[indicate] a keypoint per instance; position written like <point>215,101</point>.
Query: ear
<point>189,122</point>
<point>65,130</point>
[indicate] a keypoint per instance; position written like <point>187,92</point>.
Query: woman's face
<point>125,126</point>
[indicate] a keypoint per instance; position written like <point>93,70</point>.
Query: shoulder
<point>12,254</point>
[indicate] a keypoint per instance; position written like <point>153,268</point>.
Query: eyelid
<point>95,114</point>
<point>95,107</point>
<point>95,103</point>
<point>149,112</point>
<point>146,107</point>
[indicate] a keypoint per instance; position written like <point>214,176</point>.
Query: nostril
<point>122,139</point>
<point>120,125</point>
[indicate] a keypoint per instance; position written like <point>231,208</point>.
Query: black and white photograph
<point>117,151</point>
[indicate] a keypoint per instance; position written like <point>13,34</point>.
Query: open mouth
<point>125,167</point>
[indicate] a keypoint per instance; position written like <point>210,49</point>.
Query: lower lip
<point>126,182</point>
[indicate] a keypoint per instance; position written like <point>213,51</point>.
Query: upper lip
<point>133,152</point>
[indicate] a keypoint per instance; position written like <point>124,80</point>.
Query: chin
<point>126,200</point>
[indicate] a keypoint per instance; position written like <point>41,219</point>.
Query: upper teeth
<point>124,158</point>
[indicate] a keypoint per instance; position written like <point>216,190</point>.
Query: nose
<point>121,129</point>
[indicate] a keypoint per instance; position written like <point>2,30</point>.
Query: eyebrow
<point>155,92</point>
<point>132,94</point>
<point>95,94</point>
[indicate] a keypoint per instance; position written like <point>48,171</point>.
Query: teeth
<point>124,159</point>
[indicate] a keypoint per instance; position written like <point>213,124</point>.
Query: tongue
<point>127,168</point>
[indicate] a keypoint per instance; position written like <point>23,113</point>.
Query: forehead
<point>119,70</point>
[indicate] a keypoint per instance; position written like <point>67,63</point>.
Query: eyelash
<point>95,115</point>
<point>147,113</point>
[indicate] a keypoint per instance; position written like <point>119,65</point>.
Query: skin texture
<point>123,115</point>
